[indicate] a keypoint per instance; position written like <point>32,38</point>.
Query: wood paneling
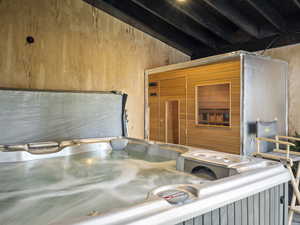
<point>77,47</point>
<point>181,84</point>
<point>173,89</point>
<point>154,109</point>
<point>216,138</point>
<point>169,89</point>
<point>172,121</point>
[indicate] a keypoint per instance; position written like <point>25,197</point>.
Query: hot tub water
<point>50,190</point>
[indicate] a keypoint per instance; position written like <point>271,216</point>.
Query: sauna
<point>214,102</point>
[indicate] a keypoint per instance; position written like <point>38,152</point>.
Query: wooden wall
<point>171,86</point>
<point>218,138</point>
<point>170,90</point>
<point>77,47</point>
<point>180,84</point>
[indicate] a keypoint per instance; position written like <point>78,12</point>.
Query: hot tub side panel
<point>269,207</point>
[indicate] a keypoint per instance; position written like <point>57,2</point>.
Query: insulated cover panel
<point>35,116</point>
<point>265,93</point>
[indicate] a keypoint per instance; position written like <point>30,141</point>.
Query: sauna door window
<point>213,105</point>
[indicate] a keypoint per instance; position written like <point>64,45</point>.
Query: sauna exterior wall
<point>217,138</point>
<point>182,86</point>
<point>269,207</point>
<point>170,86</point>
<point>265,97</point>
<point>78,47</point>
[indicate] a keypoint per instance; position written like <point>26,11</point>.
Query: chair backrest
<point>266,130</point>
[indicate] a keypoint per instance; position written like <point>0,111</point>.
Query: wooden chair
<point>269,146</point>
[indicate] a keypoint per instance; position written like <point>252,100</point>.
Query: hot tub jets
<point>214,165</point>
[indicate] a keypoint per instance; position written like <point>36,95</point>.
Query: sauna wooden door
<point>173,110</point>
<point>172,121</point>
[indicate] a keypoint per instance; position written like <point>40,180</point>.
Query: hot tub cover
<point>36,116</point>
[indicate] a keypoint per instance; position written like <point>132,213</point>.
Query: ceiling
<point>203,28</point>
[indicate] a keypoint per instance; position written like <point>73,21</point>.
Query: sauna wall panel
<point>154,108</point>
<point>77,47</point>
<point>218,138</point>
<point>169,90</point>
<point>173,89</point>
<point>172,121</point>
<point>181,84</point>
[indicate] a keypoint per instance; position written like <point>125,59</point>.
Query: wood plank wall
<point>77,47</point>
<point>171,86</point>
<point>173,89</point>
<point>226,139</point>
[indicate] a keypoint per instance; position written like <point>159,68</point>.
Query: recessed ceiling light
<point>181,1</point>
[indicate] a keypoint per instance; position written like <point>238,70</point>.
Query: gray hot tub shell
<point>256,193</point>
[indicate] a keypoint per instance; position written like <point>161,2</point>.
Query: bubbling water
<point>51,190</point>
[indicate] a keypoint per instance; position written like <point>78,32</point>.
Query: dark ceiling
<point>203,28</point>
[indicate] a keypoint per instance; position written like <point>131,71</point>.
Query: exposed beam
<point>168,31</point>
<point>176,18</point>
<point>143,20</point>
<point>297,2</point>
<point>226,8</point>
<point>206,19</point>
<point>270,13</point>
<point>258,45</point>
<point>294,26</point>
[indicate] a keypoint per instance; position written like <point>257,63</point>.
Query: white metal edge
<point>287,106</point>
<point>203,61</point>
<point>242,102</point>
<point>193,63</point>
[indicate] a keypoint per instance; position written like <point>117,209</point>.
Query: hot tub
<point>138,183</point>
<point>66,161</point>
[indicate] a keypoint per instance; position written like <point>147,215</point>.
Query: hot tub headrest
<point>119,143</point>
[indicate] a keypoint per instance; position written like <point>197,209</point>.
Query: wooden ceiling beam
<point>181,21</point>
<point>270,13</point>
<point>205,19</point>
<point>143,20</point>
<point>235,16</point>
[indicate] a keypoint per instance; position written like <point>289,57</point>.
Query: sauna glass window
<point>213,105</point>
